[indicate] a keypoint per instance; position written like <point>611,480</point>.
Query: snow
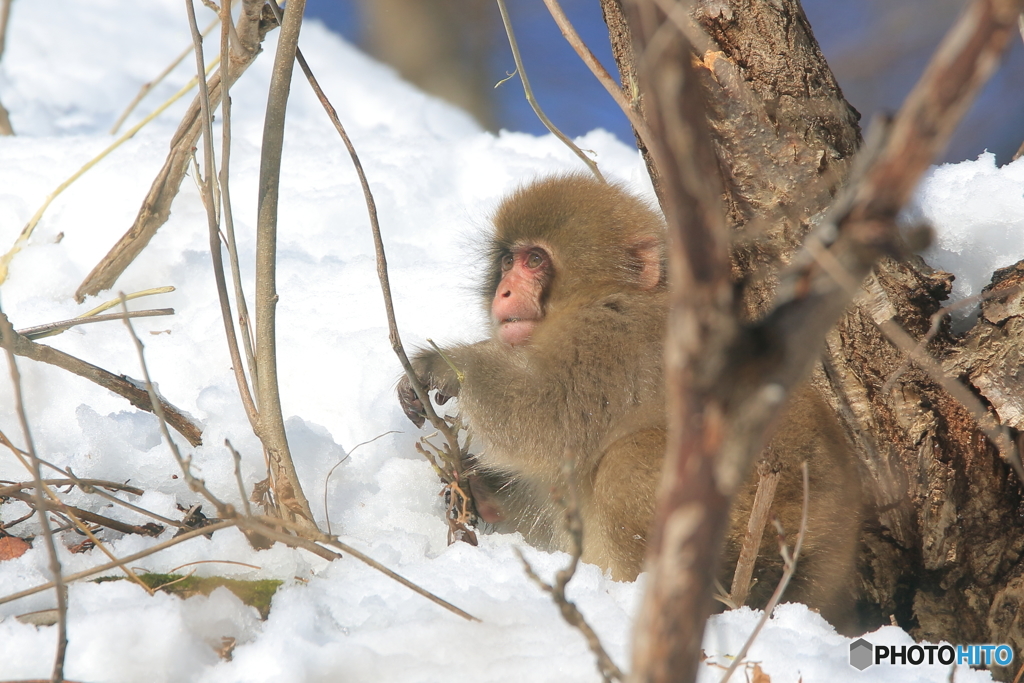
<point>68,70</point>
<point>977,212</point>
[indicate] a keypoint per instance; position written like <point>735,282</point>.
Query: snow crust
<point>68,70</point>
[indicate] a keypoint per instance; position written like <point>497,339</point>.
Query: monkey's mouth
<point>516,331</point>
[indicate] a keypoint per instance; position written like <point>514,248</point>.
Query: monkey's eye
<point>534,260</point>
<point>506,262</point>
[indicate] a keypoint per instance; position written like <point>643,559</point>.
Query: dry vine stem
<point>533,100</point>
<point>8,338</point>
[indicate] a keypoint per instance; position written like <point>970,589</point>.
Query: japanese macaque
<point>573,369</point>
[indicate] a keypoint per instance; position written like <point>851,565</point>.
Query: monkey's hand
<point>432,379</point>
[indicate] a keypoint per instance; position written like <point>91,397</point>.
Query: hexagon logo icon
<point>861,654</point>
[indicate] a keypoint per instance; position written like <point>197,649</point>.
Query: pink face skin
<point>516,308</point>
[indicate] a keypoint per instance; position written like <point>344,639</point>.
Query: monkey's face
<point>517,307</point>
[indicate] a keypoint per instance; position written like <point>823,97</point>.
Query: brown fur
<point>589,385</point>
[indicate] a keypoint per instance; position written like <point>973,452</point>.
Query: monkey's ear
<point>648,256</point>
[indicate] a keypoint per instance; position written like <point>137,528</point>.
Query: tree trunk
<point>941,550</point>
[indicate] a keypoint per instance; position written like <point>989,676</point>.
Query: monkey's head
<point>564,242</point>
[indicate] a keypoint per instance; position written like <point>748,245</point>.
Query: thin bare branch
<point>728,405</point>
<point>570,613</point>
<point>87,485</point>
<point>238,477</point>
<point>84,515</point>
<point>99,569</point>
<point>628,107</point>
<point>5,14</point>
<point>197,485</point>
<point>207,190</point>
<point>244,321</point>
<point>49,329</point>
<point>146,87</point>
<point>8,337</point>
<point>533,100</point>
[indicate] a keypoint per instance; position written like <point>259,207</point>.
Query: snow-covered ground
<point>68,71</point>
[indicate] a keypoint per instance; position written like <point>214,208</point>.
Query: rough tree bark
<point>942,550</point>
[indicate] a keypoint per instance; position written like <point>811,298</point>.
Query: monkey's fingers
<point>411,405</point>
<point>441,398</point>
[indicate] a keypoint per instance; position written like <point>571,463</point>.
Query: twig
<point>244,321</point>
<point>89,486</point>
<point>195,484</point>
<point>146,87</point>
<point>456,451</point>
<point>787,574</point>
<point>327,479</point>
<point>76,515</point>
<point>8,337</point>
<point>207,190</point>
<point>533,100</point>
<point>85,515</point>
<point>156,206</point>
<point>99,569</point>
<point>238,478</point>
<point>628,107</point>
<point>571,614</point>
<point>116,301</point>
<point>752,539</point>
<point>49,329</point>
<point>5,13</point>
<point>122,386</point>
